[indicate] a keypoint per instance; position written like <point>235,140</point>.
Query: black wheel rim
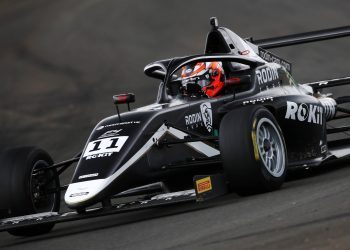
<point>43,201</point>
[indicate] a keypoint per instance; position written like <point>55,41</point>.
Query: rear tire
<point>253,150</point>
<point>22,188</point>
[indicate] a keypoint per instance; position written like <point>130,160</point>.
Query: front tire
<point>253,150</point>
<point>23,190</point>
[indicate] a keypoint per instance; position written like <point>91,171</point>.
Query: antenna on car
<point>214,23</point>
<point>123,98</point>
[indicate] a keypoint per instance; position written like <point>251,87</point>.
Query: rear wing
<point>301,38</point>
<point>295,39</point>
<point>329,83</point>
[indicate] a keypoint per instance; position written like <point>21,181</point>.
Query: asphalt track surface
<point>60,62</point>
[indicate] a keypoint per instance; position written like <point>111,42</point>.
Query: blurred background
<point>61,61</point>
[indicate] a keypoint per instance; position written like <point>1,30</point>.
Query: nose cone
<point>78,193</point>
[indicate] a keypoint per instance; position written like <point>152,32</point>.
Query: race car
<point>230,120</point>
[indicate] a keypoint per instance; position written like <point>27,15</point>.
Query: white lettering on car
<point>104,147</point>
<point>258,100</point>
<point>204,117</point>
<point>118,124</point>
<point>304,112</point>
<point>266,75</point>
<point>192,119</point>
<point>88,176</point>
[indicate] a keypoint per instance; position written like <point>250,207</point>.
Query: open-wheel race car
<point>231,119</point>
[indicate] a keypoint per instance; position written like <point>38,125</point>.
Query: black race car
<point>243,138</point>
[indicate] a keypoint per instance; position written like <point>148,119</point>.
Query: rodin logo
<point>304,112</point>
<point>193,119</point>
<point>207,115</point>
<point>267,74</point>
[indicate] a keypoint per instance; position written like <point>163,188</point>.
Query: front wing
<point>53,217</point>
<point>205,188</point>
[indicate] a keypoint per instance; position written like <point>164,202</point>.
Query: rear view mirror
<point>155,70</point>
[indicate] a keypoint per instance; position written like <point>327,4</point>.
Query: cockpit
<point>203,76</point>
<point>209,79</point>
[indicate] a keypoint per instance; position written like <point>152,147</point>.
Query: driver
<point>205,78</point>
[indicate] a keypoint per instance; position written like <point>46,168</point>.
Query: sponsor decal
<point>165,197</point>
<point>270,57</point>
<point>267,74</point>
<point>207,115</point>
<point>117,124</point>
<point>258,100</point>
<point>170,196</point>
<point>203,185</point>
<point>304,112</point>
<point>104,147</point>
<point>204,117</point>
<point>111,133</point>
<point>88,176</point>
<point>193,119</point>
<point>323,149</point>
<point>98,156</point>
<point>79,194</point>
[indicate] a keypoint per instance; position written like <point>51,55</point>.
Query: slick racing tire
<point>24,185</point>
<point>253,150</point>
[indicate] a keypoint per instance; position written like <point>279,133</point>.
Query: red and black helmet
<point>208,76</point>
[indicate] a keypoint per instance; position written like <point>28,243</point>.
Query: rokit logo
<point>205,116</point>
<point>266,75</point>
<point>104,147</point>
<point>304,112</point>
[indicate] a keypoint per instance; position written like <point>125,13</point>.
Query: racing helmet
<point>205,78</point>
